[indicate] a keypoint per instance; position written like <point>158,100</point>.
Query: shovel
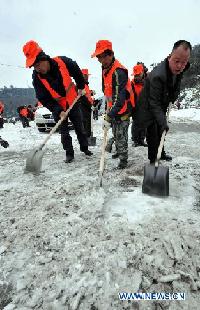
<point>102,160</point>
<point>91,139</point>
<point>156,178</point>
<point>34,158</point>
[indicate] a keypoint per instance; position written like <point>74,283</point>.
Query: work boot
<point>69,158</point>
<point>166,157</point>
<point>142,143</point>
<point>122,164</point>
<point>88,153</point>
<point>116,155</point>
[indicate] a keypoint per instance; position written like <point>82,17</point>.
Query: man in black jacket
<point>162,86</point>
<point>50,77</point>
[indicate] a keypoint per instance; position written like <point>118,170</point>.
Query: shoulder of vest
<point>117,64</point>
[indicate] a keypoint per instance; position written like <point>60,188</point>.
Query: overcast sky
<point>139,30</point>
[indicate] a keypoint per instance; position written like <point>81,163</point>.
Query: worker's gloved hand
<point>125,117</point>
<point>62,114</point>
<point>93,108</point>
<point>165,127</point>
<point>107,122</point>
<point>4,143</point>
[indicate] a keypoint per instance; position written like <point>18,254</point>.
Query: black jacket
<point>55,80</point>
<point>160,88</point>
<point>85,103</point>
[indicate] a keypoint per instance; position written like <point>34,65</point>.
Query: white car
<point>44,120</point>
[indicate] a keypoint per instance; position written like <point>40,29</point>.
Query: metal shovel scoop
<point>34,161</point>
<point>156,178</point>
<point>34,158</point>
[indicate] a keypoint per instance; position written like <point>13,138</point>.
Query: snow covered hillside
<point>66,243</point>
<point>190,98</point>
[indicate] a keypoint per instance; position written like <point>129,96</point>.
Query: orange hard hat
<point>31,50</point>
<point>101,46</point>
<point>138,69</point>
<point>85,71</point>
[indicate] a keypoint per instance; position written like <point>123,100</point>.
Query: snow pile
<point>68,244</point>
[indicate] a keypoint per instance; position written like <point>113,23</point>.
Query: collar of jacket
<point>170,75</point>
<point>53,65</point>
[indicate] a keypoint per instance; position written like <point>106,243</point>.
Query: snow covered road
<point>68,244</point>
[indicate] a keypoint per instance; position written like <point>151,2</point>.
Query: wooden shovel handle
<point>102,160</point>
<point>60,121</point>
<point>162,140</point>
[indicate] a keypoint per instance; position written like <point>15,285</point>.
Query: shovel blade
<point>92,141</point>
<point>156,180</point>
<point>34,161</point>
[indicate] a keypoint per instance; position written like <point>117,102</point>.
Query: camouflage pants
<point>109,145</point>
<point>120,133</point>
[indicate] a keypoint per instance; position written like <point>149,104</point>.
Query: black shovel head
<point>92,141</point>
<point>156,180</point>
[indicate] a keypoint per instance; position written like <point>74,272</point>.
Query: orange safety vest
<point>24,112</point>
<point>108,91</point>
<point>137,87</point>
<point>1,108</point>
<point>69,86</point>
<point>88,94</point>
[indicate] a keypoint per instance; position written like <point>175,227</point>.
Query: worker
<point>52,80</point>
<point>119,97</point>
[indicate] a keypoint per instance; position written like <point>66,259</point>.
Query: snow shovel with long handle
<point>156,178</point>
<point>34,158</point>
<point>92,139</point>
<point>102,159</point>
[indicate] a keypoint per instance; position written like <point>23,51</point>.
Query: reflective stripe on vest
<point>68,84</point>
<point>88,94</point>
<point>108,91</point>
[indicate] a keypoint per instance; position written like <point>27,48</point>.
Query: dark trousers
<point>1,122</point>
<point>120,136</point>
<point>75,117</point>
<point>24,120</point>
<point>153,136</point>
<point>138,134</point>
<point>95,114</point>
<point>86,115</point>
